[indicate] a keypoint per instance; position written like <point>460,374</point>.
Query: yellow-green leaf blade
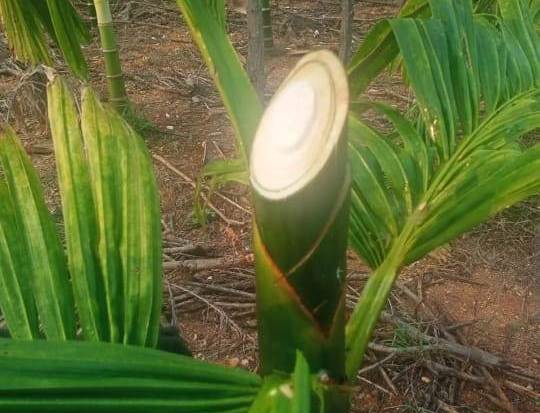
<point>237,92</point>
<point>44,376</point>
<point>16,298</point>
<point>79,212</point>
<point>104,159</point>
<point>46,257</point>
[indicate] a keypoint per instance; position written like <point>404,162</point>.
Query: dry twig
<point>191,183</point>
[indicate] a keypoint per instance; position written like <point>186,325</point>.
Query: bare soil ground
<point>482,290</point>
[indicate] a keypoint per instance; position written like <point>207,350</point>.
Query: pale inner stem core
<point>301,128</point>
<point>292,116</point>
<point>294,138</point>
<point>288,141</point>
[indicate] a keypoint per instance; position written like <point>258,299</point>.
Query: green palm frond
<point>379,49</point>
<point>17,301</point>
<point>69,34</point>
<point>33,238</point>
<point>237,92</point>
<point>44,376</point>
<point>79,212</point>
<point>26,22</point>
<point>113,240</point>
<point>535,13</point>
<point>233,83</point>
<point>22,26</point>
<point>477,86</point>
<point>113,233</point>
<point>394,176</point>
<point>217,8</point>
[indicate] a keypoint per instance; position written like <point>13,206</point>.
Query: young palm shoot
<point>300,181</point>
<point>113,68</point>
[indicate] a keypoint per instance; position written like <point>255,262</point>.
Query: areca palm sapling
<point>25,25</point>
<point>390,179</point>
<point>113,66</point>
<point>112,237</point>
<point>267,24</point>
<point>463,163</point>
<point>372,57</point>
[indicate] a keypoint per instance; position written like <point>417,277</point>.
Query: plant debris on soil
<point>461,332</point>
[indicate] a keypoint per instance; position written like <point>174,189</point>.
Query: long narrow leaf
<point>129,230</point>
<point>237,92</point>
<point>26,22</point>
<point>302,386</point>
<point>46,259</point>
<point>23,30</point>
<point>45,376</point>
<point>217,8</point>
<point>379,49</point>
<point>104,159</point>
<point>69,33</point>
<point>79,212</point>
<point>16,298</point>
<point>140,246</point>
<point>518,17</point>
<point>474,115</point>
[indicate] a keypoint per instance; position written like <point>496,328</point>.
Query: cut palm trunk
<point>300,183</point>
<point>113,68</point>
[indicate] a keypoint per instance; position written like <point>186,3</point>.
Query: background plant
<point>113,67</point>
<point>462,162</point>
<point>26,24</point>
<point>113,240</point>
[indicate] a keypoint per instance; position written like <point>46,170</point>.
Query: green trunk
<point>91,10</point>
<point>300,228</point>
<point>267,24</point>
<point>113,68</point>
